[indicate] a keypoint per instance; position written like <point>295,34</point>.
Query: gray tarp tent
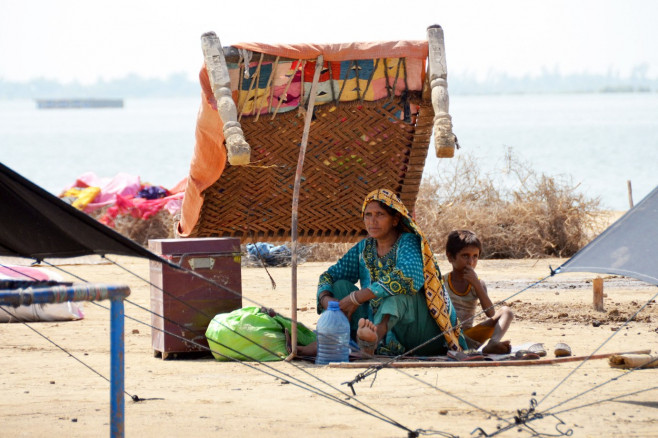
<point>629,247</point>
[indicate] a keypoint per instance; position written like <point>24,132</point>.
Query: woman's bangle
<point>353,299</point>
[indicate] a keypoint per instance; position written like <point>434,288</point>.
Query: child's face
<point>468,256</point>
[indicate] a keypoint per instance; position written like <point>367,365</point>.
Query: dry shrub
<point>325,252</point>
<point>159,226</point>
<point>518,215</point>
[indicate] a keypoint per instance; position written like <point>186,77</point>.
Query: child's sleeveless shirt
<point>464,303</point>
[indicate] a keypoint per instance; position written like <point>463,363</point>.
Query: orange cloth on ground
<point>480,333</point>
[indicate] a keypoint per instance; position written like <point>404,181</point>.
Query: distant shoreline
<point>78,103</point>
<point>179,85</point>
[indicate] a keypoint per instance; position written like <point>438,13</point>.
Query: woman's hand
<point>325,299</point>
<point>350,303</point>
<point>348,307</point>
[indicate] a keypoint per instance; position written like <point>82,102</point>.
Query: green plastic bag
<point>226,335</point>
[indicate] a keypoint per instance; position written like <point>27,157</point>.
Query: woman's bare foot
<point>492,347</point>
<point>366,337</point>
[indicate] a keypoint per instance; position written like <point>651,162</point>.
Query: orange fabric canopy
<point>343,51</point>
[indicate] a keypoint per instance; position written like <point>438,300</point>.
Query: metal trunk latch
<point>202,263</point>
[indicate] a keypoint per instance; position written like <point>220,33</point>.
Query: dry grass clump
<point>159,226</point>
<point>327,252</point>
<point>520,214</point>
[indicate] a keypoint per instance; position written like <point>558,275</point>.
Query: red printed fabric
<point>140,208</point>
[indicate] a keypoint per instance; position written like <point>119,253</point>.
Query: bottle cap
<point>334,305</point>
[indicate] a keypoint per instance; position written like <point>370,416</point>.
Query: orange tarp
<point>343,51</point>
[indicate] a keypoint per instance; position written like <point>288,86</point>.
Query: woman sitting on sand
<point>401,303</point>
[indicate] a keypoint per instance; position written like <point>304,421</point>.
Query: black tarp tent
<point>629,247</point>
<point>36,224</point>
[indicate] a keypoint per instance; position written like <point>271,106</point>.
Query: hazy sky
<point>95,39</point>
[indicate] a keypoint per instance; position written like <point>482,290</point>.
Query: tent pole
<point>295,201</point>
<point>117,367</point>
<point>630,193</point>
<point>597,289</point>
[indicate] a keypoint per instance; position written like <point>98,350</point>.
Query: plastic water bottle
<point>333,336</point>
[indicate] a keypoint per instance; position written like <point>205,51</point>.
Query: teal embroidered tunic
<point>397,281</point>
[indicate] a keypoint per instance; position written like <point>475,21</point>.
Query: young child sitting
<point>466,290</point>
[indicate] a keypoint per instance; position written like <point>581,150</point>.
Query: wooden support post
<point>630,193</point>
<point>237,149</point>
<point>444,139</point>
<point>295,200</point>
<point>597,286</point>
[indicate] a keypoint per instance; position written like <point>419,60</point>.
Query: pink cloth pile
<point>122,195</point>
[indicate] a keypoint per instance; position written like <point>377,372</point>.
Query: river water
<point>600,141</point>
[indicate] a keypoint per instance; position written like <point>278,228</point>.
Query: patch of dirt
<point>615,313</point>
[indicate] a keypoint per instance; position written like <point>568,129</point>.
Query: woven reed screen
<point>353,148</point>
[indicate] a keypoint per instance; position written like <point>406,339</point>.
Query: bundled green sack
<point>239,335</point>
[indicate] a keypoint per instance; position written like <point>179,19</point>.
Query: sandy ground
<point>46,392</point>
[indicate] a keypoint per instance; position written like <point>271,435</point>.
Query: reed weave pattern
<point>353,148</point>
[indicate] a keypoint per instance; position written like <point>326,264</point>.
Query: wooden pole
<point>597,287</point>
<point>630,193</point>
<point>444,363</point>
<point>295,201</point>
<point>444,139</point>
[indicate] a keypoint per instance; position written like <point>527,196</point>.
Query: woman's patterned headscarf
<point>438,302</point>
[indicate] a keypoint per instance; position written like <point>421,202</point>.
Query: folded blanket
<point>24,275</point>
